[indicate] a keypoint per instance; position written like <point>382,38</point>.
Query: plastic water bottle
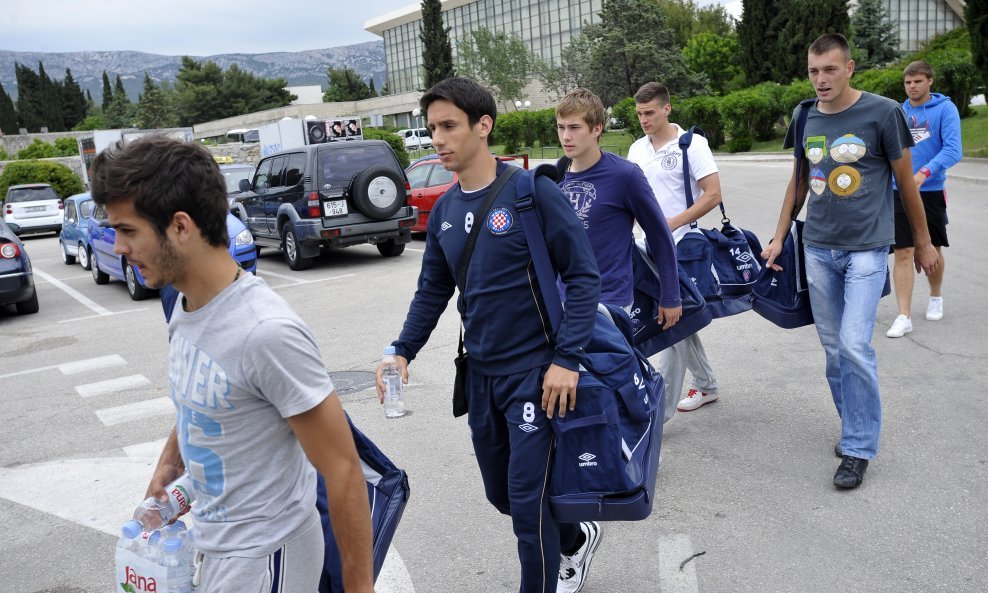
<point>394,400</point>
<point>153,514</point>
<point>177,558</point>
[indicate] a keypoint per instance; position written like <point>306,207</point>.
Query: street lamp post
<point>417,112</point>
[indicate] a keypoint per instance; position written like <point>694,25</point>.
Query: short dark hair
<point>650,91</point>
<point>467,95</point>
<point>918,67</point>
<point>829,42</point>
<point>162,176</point>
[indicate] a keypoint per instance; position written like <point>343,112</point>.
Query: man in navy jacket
<point>520,374</point>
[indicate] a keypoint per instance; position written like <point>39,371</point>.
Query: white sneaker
<point>573,569</point>
<point>694,399</point>
<point>934,310</point>
<point>900,327</point>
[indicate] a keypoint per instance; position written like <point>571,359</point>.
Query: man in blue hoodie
<point>936,130</point>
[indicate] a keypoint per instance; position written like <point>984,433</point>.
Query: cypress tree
<point>30,103</point>
<point>370,85</point>
<point>437,52</point>
<point>976,15</point>
<point>107,92</point>
<point>8,115</point>
<point>51,97</point>
<point>757,32</point>
<point>74,105</point>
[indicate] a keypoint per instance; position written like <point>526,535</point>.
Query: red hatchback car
<point>429,180</point>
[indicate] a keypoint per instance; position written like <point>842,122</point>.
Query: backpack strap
<point>684,144</point>
<point>525,206</point>
<point>799,150</point>
<point>561,166</point>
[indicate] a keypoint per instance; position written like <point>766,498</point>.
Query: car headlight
<point>244,238</point>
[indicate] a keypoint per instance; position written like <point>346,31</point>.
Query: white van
<point>416,138</point>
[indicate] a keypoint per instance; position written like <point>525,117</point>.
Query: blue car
<point>106,264</point>
<point>16,276</point>
<point>73,241</point>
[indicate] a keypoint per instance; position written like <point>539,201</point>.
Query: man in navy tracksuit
<point>520,374</point>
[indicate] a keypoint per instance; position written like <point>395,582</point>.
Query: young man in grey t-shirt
<point>255,409</point>
<point>855,142</point>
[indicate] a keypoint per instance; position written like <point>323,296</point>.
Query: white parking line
<point>112,385</point>
<point>78,366</point>
<point>69,278</point>
<point>282,276</point>
<point>96,307</point>
<point>135,411</point>
<point>103,315</point>
<point>313,281</point>
<point>414,249</point>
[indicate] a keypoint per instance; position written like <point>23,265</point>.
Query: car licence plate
<point>35,209</point>
<point>335,208</point>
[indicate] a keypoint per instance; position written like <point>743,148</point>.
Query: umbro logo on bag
<point>588,460</point>
<point>445,226</point>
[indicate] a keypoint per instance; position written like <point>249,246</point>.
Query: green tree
<point>632,45</point>
<point>37,149</point>
<point>107,92</point>
<point>686,19</point>
<point>499,61</point>
<point>716,56</point>
<point>120,112</point>
<point>30,100</point>
<point>370,86</point>
<point>74,105</point>
<point>874,34</point>
<point>976,15</point>
<point>799,23</point>
<point>51,99</point>
<point>61,178</point>
<point>152,110</point>
<point>91,122</point>
<point>345,85</point>
<point>574,68</point>
<point>757,32</point>
<point>385,89</point>
<point>8,115</point>
<point>204,92</point>
<point>437,51</point>
<point>66,146</point>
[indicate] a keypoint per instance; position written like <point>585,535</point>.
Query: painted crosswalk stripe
<point>91,364</point>
<point>112,385</point>
<point>135,411</point>
<point>148,450</point>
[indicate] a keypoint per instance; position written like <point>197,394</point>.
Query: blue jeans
<point>845,287</point>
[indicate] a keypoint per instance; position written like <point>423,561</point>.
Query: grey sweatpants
<point>673,362</point>
<point>295,567</point>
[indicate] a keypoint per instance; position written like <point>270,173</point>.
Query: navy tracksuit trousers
<point>514,444</point>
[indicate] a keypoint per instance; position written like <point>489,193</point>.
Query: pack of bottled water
<point>153,555</point>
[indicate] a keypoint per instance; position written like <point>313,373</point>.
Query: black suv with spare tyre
<point>328,195</point>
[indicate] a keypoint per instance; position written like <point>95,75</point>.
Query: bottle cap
<point>173,544</point>
<point>389,350</point>
<point>180,525</point>
<point>154,537</point>
<point>131,529</point>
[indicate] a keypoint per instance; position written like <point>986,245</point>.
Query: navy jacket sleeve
<point>573,258</point>
<point>435,287</point>
<point>642,203</point>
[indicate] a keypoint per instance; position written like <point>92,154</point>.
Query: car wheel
<point>134,288</point>
<point>98,276</point>
<point>390,248</point>
<point>291,250</point>
<point>378,192</point>
<point>83,257</point>
<point>66,258</point>
<point>29,306</point>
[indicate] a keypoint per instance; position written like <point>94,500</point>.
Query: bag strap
<point>684,145</point>
<point>525,206</point>
<point>798,150</point>
<point>467,254</point>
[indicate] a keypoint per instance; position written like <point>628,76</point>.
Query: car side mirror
<point>244,185</point>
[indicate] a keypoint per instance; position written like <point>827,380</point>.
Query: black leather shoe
<point>851,472</point>
<point>837,451</point>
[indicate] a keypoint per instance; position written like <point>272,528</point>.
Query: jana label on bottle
<point>180,492</point>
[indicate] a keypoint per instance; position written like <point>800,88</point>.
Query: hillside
<point>297,68</point>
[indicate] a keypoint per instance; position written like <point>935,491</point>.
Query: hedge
<point>703,112</point>
<point>396,142</point>
<point>61,178</point>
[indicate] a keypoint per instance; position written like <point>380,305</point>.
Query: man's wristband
<point>926,171</point>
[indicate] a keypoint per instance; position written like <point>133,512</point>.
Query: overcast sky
<point>194,27</point>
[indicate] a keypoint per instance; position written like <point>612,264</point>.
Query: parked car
<point>416,138</point>
<point>233,173</point>
<point>33,208</point>
<point>16,276</point>
<point>328,195</point>
<point>429,181</point>
<point>73,240</point>
<point>106,264</point>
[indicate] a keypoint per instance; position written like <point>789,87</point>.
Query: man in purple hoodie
<point>936,130</point>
